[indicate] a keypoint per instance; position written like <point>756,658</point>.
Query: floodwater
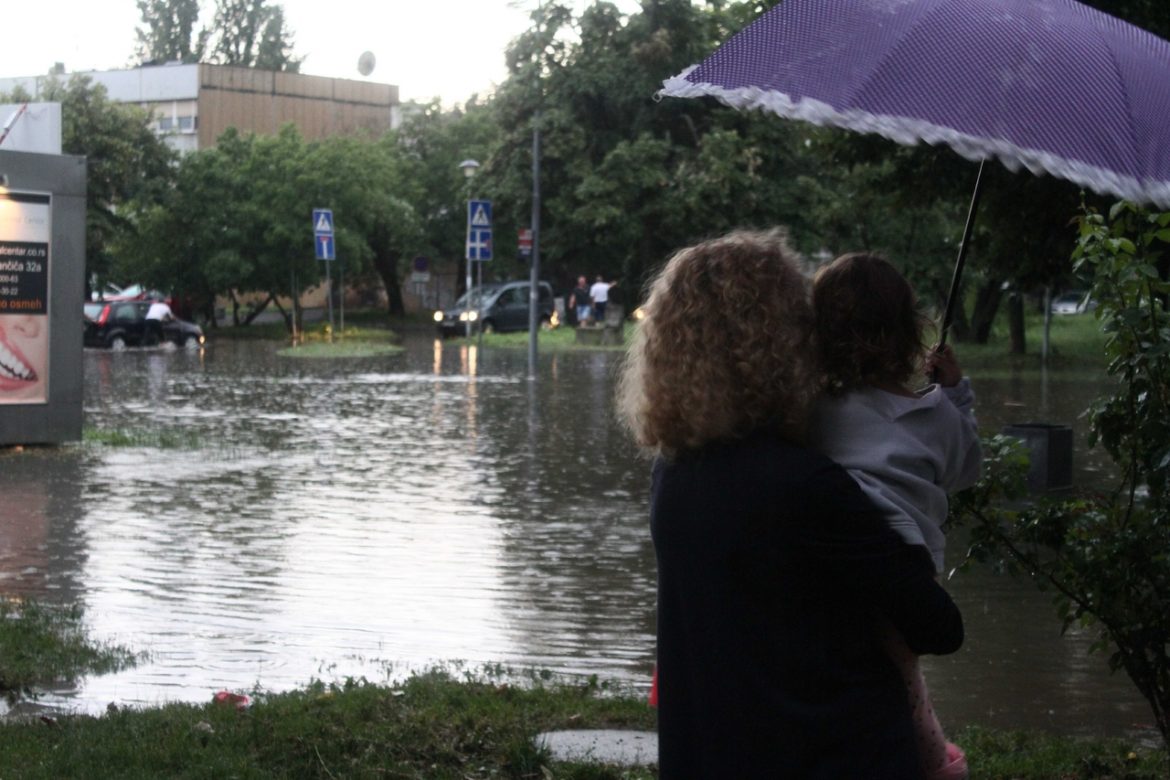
<point>276,521</point>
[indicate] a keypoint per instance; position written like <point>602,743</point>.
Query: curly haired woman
<point>774,570</point>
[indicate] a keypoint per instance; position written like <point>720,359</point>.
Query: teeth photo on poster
<point>24,296</point>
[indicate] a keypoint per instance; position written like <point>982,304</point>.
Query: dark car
<point>121,324</point>
<point>501,306</point>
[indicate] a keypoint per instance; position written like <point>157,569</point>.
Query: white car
<point>1073,303</point>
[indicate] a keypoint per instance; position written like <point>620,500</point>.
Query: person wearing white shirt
<point>158,313</point>
<point>599,292</point>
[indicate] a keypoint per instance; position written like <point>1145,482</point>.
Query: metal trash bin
<point>1050,454</point>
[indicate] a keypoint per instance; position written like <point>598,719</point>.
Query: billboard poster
<point>24,297</point>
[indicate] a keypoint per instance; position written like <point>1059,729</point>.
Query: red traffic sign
<point>525,241</point>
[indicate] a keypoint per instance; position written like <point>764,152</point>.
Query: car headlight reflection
<point>438,316</point>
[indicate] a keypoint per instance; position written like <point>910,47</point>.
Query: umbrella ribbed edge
<point>909,132</point>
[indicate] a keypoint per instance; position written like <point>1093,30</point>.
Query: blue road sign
<point>322,222</point>
<point>479,244</point>
<point>479,214</point>
<point>326,249</point>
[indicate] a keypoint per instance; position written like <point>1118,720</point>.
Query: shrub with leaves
<point>1105,555</point>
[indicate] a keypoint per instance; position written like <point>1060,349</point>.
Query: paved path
<point>602,746</point>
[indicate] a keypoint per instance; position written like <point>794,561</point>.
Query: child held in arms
<point>906,447</point>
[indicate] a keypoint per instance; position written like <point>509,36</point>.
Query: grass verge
<point>42,644</point>
<point>431,726</point>
<point>435,725</point>
<point>339,349</point>
<point>161,438</point>
<point>1014,755</point>
<point>560,339</point>
<point>1076,342</point>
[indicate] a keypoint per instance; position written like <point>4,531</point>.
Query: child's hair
<point>868,324</point>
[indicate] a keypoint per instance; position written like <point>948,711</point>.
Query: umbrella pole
<point>957,277</point>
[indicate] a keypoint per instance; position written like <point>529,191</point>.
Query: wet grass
<point>339,349</point>
<point>1015,755</point>
<point>361,324</point>
<point>431,726</point>
<point>1076,344</point>
<point>560,339</point>
<point>367,334</point>
<point>157,438</point>
<point>42,644</point>
<point>440,725</point>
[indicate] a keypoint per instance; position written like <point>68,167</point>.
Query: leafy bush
<point>1106,556</point>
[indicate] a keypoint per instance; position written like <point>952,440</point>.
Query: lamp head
<point>469,167</point>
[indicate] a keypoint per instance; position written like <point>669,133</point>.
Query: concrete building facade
<point>193,105</point>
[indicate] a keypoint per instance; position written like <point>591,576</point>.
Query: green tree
<point>252,34</point>
<point>429,146</point>
<point>370,191</point>
<point>238,219</point>
<point>126,163</point>
<point>189,241</point>
<point>627,180</point>
<point>1107,557</point>
<point>168,32</point>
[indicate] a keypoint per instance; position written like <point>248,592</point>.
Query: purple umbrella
<point>1049,85</point>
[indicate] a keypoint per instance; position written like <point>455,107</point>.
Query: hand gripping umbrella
<point>1049,85</point>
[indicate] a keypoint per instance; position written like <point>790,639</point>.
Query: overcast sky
<point>444,48</point>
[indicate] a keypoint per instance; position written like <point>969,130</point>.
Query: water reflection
<point>41,547</point>
<point>285,520</point>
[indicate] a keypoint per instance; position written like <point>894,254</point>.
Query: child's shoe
<point>956,766</point>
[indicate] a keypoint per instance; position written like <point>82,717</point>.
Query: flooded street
<point>272,521</point>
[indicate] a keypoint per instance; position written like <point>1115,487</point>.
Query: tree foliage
<point>238,219</point>
<point>246,33</point>
<point>126,162</point>
<point>168,32</point>
<point>430,145</point>
<point>252,34</point>
<point>1107,557</point>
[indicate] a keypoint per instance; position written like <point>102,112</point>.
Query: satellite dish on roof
<point>366,63</point>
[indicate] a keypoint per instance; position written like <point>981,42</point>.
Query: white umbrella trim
<point>909,132</point>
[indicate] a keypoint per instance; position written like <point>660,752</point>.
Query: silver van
<point>496,307</point>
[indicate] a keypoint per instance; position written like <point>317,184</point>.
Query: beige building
<point>194,104</point>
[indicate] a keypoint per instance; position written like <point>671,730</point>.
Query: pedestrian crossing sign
<point>323,222</point>
<point>479,214</point>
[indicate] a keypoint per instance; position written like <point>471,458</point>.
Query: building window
<point>166,123</point>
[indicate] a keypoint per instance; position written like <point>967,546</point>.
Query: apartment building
<point>193,105</point>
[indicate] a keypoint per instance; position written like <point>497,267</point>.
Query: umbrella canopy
<point>1049,85</point>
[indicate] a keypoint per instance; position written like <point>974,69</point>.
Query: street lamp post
<point>469,168</point>
<point>534,271</point>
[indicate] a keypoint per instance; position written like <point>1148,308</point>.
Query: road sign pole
<point>326,250</point>
<point>329,297</point>
<point>534,275</point>
<point>479,293</point>
<point>467,296</point>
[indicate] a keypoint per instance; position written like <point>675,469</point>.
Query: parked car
<point>501,306</point>
<point>121,324</point>
<point>1073,303</point>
